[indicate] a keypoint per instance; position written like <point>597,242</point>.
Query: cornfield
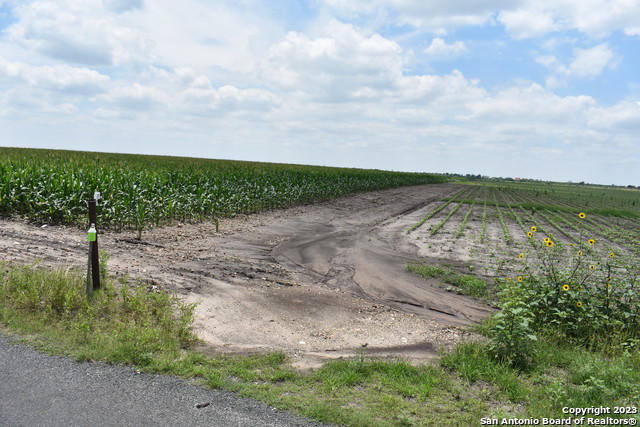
<point>140,192</point>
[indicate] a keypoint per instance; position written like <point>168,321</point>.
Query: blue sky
<point>544,89</point>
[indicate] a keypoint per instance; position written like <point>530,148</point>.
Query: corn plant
<point>140,192</point>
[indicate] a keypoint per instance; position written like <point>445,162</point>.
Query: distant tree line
<point>478,177</point>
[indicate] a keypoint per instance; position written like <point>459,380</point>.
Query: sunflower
<point>521,256</point>
<point>582,215</point>
<point>529,234</point>
<point>579,253</point>
<point>591,242</point>
<point>566,287</point>
<point>534,228</point>
<point>549,243</point>
<point>547,239</point>
<point>520,279</point>
<point>592,267</point>
<point>612,255</point>
<point>579,304</point>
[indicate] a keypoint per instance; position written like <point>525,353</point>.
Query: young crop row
<point>502,223</point>
<point>458,197</point>
<point>143,191</point>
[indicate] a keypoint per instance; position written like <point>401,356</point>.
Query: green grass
<point>565,375</point>
<point>126,323</point>
<point>122,323</point>
<point>466,284</point>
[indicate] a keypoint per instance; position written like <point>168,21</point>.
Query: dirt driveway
<point>317,281</point>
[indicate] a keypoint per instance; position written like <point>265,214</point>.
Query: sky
<point>540,89</point>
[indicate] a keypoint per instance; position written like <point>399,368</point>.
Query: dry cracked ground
<point>315,281</point>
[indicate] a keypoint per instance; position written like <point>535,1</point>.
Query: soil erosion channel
<point>316,281</point>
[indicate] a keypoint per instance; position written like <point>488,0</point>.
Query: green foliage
<point>140,192</point>
<point>463,224</point>
<point>427,270</point>
<point>474,362</point>
<point>564,375</point>
<point>580,292</point>
<point>512,336</point>
<point>126,322</point>
<point>39,291</point>
<point>465,284</point>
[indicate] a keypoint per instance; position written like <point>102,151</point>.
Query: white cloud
<point>205,35</point>
<point>596,18</point>
<point>532,107</point>
<point>77,31</point>
<point>120,6</point>
<point>134,97</point>
<point>179,93</point>
<point>589,63</point>
<point>62,78</point>
<point>438,17</point>
<point>527,23</point>
<point>621,117</point>
<point>440,48</point>
<point>347,64</point>
<point>451,92</point>
<point>521,18</point>
<point>585,64</point>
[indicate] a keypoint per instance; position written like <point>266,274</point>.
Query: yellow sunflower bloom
<point>578,304</point>
<point>529,234</point>
<point>566,287</point>
<point>591,242</point>
<point>592,267</point>
<point>612,255</point>
<point>520,279</point>
<point>582,215</point>
<point>521,256</point>
<point>549,243</point>
<point>534,228</point>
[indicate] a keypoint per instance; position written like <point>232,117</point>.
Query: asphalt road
<point>41,390</point>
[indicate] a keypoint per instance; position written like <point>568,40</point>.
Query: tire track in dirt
<point>361,262</point>
<point>315,281</point>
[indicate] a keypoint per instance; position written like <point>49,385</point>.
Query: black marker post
<point>92,236</point>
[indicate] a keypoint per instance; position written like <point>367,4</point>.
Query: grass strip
<point>129,323</point>
<point>466,284</point>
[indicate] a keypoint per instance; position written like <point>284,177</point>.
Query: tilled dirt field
<point>317,281</point>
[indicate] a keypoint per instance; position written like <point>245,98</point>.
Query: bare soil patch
<point>316,281</point>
